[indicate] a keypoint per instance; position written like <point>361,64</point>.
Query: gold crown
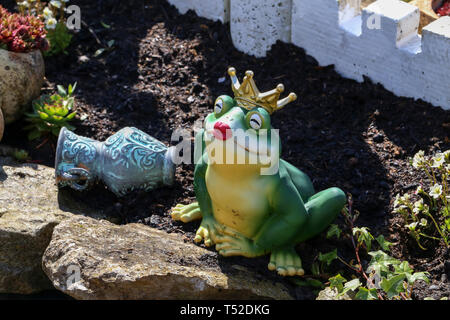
<point>248,96</point>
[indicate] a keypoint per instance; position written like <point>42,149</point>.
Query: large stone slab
<point>92,259</point>
<point>30,207</point>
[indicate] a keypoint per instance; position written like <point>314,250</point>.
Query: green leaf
<point>403,268</point>
<point>55,131</point>
<point>337,282</point>
<point>43,115</point>
<point>99,52</point>
<point>328,257</point>
<point>61,90</point>
<point>70,116</point>
<point>394,285</point>
<point>106,26</point>
<point>315,269</point>
<point>72,88</point>
<point>309,282</point>
<point>381,261</point>
<point>363,236</point>
<point>110,43</point>
<point>351,285</point>
<point>35,134</point>
<point>383,243</point>
<point>418,276</point>
<point>366,294</point>
<point>334,230</point>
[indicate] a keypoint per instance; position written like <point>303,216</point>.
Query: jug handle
<point>74,175</point>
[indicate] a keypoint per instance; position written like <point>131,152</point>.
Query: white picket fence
<point>380,41</point>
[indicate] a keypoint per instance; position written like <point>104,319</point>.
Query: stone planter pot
<point>21,78</point>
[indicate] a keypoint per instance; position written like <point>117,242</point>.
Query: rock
<point>91,259</point>
<point>2,124</point>
<point>30,207</point>
<point>331,294</point>
<point>21,78</point>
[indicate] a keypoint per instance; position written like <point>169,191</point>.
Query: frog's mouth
<point>250,145</point>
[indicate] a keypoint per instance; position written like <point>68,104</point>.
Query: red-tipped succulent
<point>444,10</point>
<point>21,33</point>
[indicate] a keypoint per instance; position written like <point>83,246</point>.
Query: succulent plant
<point>51,113</point>
<point>21,33</point>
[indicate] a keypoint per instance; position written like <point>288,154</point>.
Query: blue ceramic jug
<point>128,160</point>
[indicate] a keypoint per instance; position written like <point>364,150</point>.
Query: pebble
<point>378,138</point>
<point>83,58</point>
<point>433,287</point>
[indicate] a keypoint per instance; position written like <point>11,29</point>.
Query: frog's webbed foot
<point>286,262</point>
<point>186,213</point>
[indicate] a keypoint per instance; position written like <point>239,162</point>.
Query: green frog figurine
<point>246,213</point>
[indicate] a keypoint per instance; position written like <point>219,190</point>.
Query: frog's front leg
<point>208,227</point>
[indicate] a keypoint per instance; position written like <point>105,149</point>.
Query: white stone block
<point>435,59</point>
<point>257,24</point>
<point>394,20</point>
<point>210,9</point>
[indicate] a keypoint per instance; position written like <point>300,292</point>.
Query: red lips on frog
<point>222,131</point>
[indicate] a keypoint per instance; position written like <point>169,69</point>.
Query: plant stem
<point>438,229</point>
<point>356,248</point>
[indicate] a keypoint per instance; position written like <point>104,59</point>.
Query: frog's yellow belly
<point>240,204</point>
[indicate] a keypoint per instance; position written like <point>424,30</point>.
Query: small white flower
<point>405,199</point>
<point>24,4</point>
<point>423,222</point>
<point>419,159</point>
<point>436,191</point>
<point>412,226</point>
<point>397,201</point>
<point>447,155</point>
<point>419,190</point>
<point>438,160</point>
<point>51,23</point>
<point>47,13</point>
<point>418,206</point>
<point>55,3</point>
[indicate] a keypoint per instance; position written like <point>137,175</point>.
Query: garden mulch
<point>164,72</point>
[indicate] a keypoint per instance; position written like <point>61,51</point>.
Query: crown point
<point>280,88</point>
<point>232,71</point>
<point>249,73</point>
<point>292,96</point>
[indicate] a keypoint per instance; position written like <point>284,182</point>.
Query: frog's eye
<point>255,120</point>
<point>218,107</point>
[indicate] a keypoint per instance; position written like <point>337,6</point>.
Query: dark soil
<point>163,74</point>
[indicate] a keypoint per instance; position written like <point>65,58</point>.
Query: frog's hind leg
<point>186,212</point>
<point>286,262</point>
<point>323,208</point>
